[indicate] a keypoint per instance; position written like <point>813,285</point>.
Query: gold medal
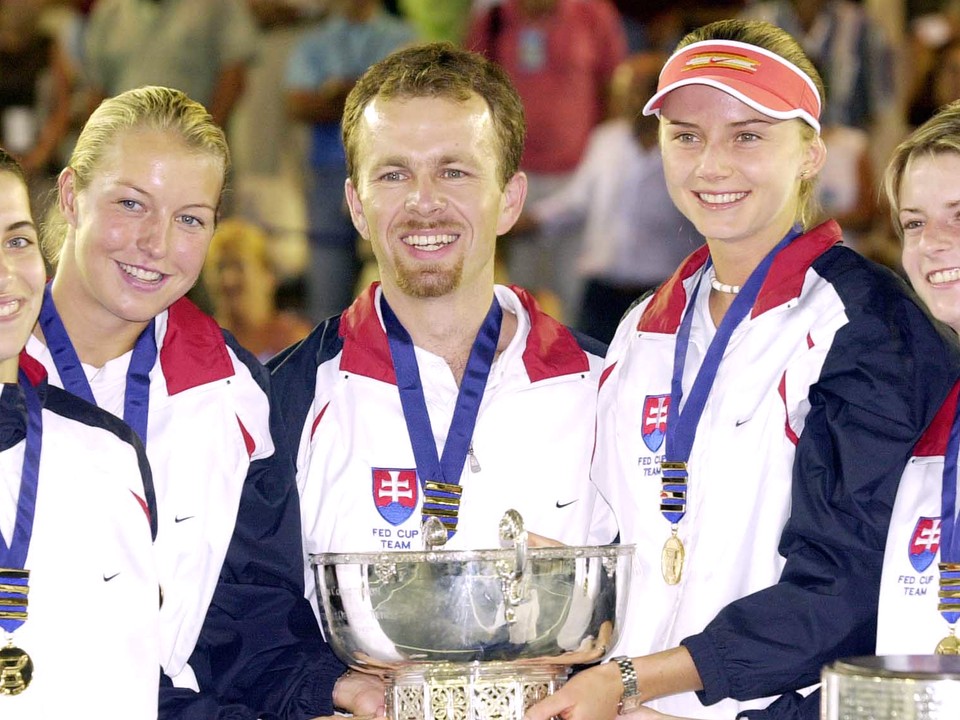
<point>671,559</point>
<point>949,645</point>
<point>949,594</point>
<point>16,670</point>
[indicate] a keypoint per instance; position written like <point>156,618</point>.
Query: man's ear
<point>514,195</point>
<point>356,209</point>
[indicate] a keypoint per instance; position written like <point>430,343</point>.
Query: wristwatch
<point>630,700</point>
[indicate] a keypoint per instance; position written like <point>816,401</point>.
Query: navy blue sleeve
<point>294,376</point>
<point>589,344</point>
<point>260,652</point>
<point>885,376</point>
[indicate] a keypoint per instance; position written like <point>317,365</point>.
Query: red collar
<point>194,352</point>
<point>551,349</point>
<point>784,281</point>
<point>934,440</point>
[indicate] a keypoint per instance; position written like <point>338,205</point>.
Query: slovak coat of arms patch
<point>654,426</point>
<point>924,543</point>
<point>395,493</point>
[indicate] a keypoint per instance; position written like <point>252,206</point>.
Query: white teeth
<point>721,198</point>
<point>9,308</point>
<point>429,242</point>
<point>140,273</point>
<point>944,276</point>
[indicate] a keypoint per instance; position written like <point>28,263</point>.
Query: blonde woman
<point>139,201</point>
<point>756,411</point>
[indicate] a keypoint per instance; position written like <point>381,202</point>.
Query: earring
<point>803,174</point>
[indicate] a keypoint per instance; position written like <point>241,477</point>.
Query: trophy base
<point>475,691</point>
<point>906,687</point>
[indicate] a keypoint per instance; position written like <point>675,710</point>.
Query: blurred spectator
<point>34,89</point>
<point>634,236</point>
<point>652,24</point>
<point>267,145</point>
<point>939,85</point>
<point>201,48</point>
<point>846,186</point>
<point>848,45</point>
<point>560,54</point>
<point>241,283</point>
<point>321,71</point>
<point>438,20</point>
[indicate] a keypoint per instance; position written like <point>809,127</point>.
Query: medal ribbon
<point>682,426</point>
<point>949,605</point>
<point>440,476</point>
<point>14,578</point>
<point>136,397</point>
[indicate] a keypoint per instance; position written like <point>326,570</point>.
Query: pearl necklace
<point>723,287</point>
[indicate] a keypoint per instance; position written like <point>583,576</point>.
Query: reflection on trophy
<point>906,687</point>
<point>472,634</point>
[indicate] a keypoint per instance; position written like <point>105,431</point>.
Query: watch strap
<point>628,676</point>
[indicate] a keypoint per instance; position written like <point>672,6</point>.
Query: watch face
<point>629,705</point>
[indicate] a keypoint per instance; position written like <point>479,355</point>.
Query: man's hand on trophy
<point>360,694</point>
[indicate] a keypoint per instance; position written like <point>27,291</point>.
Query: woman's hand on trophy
<point>361,694</point>
<point>591,694</point>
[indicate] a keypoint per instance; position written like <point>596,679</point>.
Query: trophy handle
<point>512,578</point>
<point>434,534</point>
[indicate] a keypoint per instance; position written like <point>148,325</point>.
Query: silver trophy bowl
<point>472,634</point>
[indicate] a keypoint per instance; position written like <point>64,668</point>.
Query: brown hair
<point>938,135</point>
<point>445,71</point>
<point>146,108</point>
<point>9,164</point>
<point>775,40</point>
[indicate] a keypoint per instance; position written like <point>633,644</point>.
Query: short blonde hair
<point>146,108</point>
<point>937,136</point>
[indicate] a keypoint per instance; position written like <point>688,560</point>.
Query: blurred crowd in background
<point>275,74</point>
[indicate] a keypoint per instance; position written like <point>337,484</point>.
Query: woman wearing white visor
<point>756,411</point>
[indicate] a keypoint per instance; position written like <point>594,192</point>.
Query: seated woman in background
<point>240,280</point>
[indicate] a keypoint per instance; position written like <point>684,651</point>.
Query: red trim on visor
<point>761,79</point>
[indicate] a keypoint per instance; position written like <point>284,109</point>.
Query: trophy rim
<point>905,667</point>
<point>483,555</point>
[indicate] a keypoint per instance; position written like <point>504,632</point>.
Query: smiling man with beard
<point>438,392</point>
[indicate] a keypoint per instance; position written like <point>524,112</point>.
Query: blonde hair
<point>775,40</point>
<point>236,233</point>
<point>145,108</point>
<point>937,136</point>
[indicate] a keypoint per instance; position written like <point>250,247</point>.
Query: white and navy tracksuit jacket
<point>821,395</point>
<point>236,635</point>
<point>909,622</point>
<point>93,613</point>
<point>532,441</point>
